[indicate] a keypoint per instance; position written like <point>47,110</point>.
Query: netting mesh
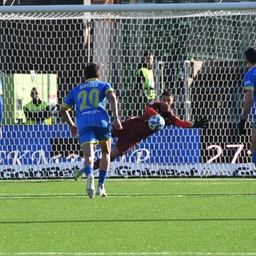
<point>198,56</point>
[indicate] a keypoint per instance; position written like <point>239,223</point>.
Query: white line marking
<point>43,196</point>
<point>133,253</point>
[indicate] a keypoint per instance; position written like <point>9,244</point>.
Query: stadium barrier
<point>48,151</point>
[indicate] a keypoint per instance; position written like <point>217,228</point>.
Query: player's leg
<point>104,137</point>
<point>88,152</point>
<point>114,154</point>
<point>121,148</point>
<point>88,140</point>
<point>104,167</point>
<point>86,136</point>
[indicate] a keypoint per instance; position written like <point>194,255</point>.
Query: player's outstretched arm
<point>73,128</point>
<point>200,123</point>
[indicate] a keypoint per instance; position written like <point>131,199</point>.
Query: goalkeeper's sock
<point>88,170</point>
<point>96,164</point>
<point>102,178</point>
<point>254,158</point>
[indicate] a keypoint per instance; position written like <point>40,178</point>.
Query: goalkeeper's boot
<point>90,186</point>
<point>101,191</point>
<point>78,174</point>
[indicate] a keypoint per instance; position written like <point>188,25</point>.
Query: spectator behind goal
<point>144,88</point>
<point>37,111</point>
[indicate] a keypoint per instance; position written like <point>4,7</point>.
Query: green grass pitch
<point>139,217</point>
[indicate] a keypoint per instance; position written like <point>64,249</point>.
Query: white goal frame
<point>237,7</point>
<point>134,165</point>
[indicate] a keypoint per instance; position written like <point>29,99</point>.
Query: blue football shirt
<point>89,98</point>
<point>250,81</point>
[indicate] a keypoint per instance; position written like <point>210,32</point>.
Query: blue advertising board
<point>33,145</point>
<point>170,145</point>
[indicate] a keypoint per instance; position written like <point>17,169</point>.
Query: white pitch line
<point>134,253</point>
<point>43,196</point>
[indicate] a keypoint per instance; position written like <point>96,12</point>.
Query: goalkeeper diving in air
<point>136,129</point>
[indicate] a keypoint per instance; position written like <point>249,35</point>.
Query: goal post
<point>198,55</point>
<point>132,9</point>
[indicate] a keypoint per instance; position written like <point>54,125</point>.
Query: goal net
<point>198,56</point>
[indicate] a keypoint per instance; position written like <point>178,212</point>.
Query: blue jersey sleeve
<point>108,89</point>
<point>250,79</point>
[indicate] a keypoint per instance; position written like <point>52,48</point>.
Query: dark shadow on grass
<point>182,195</point>
<point>31,196</point>
<point>128,220</point>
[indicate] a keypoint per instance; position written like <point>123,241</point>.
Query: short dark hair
<point>34,89</point>
<point>92,70</point>
<point>167,93</point>
<point>148,53</point>
<point>250,55</point>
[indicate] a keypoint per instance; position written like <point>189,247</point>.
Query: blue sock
<point>102,177</point>
<point>88,170</point>
<point>254,157</point>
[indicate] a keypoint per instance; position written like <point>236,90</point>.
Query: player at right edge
<point>250,98</point>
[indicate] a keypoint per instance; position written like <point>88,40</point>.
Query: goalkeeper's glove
<point>241,127</point>
<point>201,123</point>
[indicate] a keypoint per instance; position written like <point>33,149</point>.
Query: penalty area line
<point>43,196</point>
<point>133,253</point>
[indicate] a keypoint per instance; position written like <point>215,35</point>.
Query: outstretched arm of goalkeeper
<point>172,119</point>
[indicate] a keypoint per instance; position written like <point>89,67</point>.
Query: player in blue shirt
<point>250,97</point>
<point>92,123</point>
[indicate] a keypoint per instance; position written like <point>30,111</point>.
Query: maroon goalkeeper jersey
<point>136,128</point>
<point>154,107</point>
